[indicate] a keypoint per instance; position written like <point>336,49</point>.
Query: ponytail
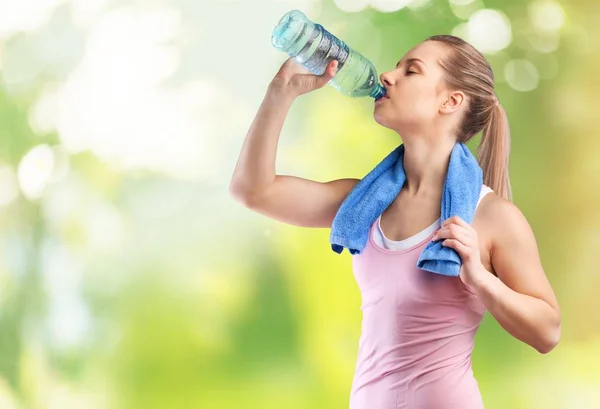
<point>493,152</point>
<point>466,69</point>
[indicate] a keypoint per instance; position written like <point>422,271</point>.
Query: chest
<point>393,287</point>
<point>407,217</point>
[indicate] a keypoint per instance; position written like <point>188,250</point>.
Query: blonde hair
<point>468,70</point>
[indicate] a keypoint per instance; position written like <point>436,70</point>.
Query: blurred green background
<point>130,279</point>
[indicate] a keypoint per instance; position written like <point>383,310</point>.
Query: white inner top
<point>400,245</point>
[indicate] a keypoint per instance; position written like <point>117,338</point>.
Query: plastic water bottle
<point>313,47</point>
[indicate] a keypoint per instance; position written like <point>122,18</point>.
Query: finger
<point>466,252</point>
<point>291,67</point>
<point>329,73</point>
<point>455,220</point>
<point>456,245</point>
<point>285,66</point>
<point>452,231</point>
<point>332,67</point>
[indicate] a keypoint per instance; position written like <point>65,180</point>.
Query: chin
<point>382,119</point>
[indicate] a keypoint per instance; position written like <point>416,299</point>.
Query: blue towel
<point>376,191</point>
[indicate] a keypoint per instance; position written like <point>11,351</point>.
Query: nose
<point>387,79</point>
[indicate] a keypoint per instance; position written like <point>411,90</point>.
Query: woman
<point>418,328</point>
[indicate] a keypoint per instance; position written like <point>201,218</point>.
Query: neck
<point>426,164</point>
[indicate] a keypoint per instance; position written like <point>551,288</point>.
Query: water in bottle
<point>313,47</point>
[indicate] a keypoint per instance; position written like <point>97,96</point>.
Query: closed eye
<point>410,72</point>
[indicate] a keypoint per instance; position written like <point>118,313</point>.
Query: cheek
<point>412,104</point>
<point>415,94</point>
<point>411,109</point>
<point>421,105</point>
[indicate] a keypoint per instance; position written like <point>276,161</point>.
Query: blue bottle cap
<point>378,92</point>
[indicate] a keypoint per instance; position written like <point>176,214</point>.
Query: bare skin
<point>501,262</point>
<point>289,199</point>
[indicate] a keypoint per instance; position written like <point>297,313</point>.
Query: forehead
<point>430,52</point>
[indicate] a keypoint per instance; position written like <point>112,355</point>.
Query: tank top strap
<point>484,192</point>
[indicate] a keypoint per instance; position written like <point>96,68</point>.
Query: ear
<point>454,100</point>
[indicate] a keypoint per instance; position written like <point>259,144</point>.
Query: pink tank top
<point>418,331</point>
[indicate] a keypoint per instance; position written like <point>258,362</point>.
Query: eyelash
<point>410,72</point>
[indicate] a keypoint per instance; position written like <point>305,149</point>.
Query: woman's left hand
<point>462,237</point>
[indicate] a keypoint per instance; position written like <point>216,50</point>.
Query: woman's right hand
<point>296,80</point>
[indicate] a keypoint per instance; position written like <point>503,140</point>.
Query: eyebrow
<point>410,61</point>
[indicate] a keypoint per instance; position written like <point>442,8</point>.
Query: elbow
<point>550,341</point>
<point>238,192</point>
<point>242,194</point>
<point>546,347</point>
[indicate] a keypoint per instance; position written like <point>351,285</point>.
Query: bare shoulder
<point>503,232</point>
<point>502,217</point>
<point>497,210</point>
<point>513,248</point>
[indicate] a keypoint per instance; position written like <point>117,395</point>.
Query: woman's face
<point>415,90</point>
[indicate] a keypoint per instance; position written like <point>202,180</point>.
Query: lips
<point>383,98</point>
